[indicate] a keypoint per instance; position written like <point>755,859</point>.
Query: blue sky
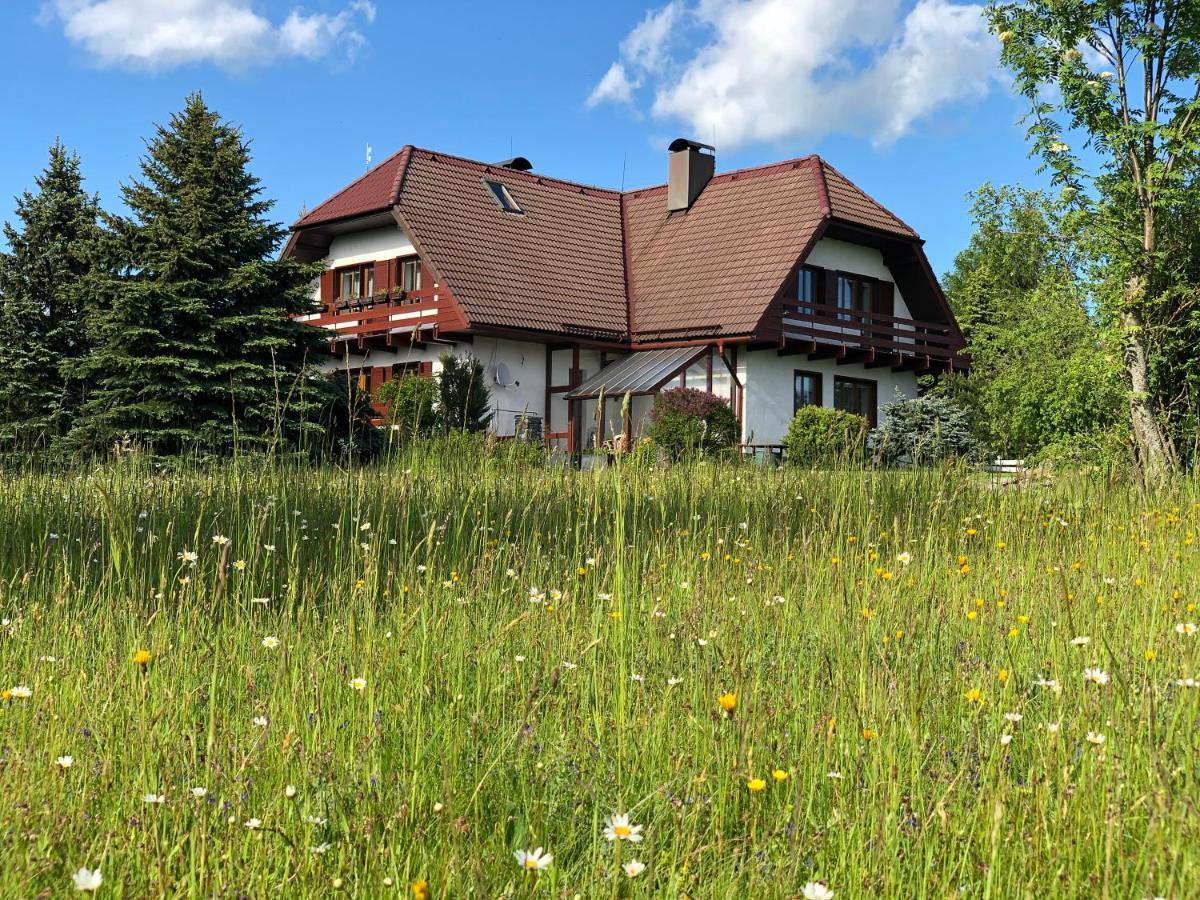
<point>905,98</point>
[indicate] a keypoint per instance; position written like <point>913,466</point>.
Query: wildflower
<point>188,557</point>
<point>755,785</point>
<point>239,565</point>
<point>1006,739</point>
<point>1095,737</point>
<point>533,860</point>
<point>1187,629</point>
<point>87,880</point>
<point>359,684</point>
<point>254,824</point>
<point>1002,675</point>
<point>1149,655</point>
<point>617,828</point>
<point>321,848</point>
<point>1081,641</point>
<point>199,792</point>
<point>834,774</point>
<point>142,658</point>
<point>270,642</point>
<point>869,734</point>
<point>65,762</point>
<point>260,721</point>
<point>220,540</point>
<point>420,889</point>
<point>154,798</point>
<point>728,702</point>
<point>634,868</point>
<point>780,775</point>
<point>1013,717</point>
<point>815,890</point>
<point>904,558</point>
<point>974,695</point>
<point>671,682</point>
<point>20,692</point>
<point>289,791</point>
<point>1095,676</point>
<point>1049,684</point>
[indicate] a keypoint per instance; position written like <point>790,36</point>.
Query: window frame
<point>503,196</point>
<point>873,397</point>
<point>818,388</point>
<point>858,283</point>
<point>366,278</point>
<point>402,265</point>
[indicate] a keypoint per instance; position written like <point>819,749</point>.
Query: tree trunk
<point>1156,456</point>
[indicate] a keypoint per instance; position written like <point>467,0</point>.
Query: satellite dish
<point>503,375</point>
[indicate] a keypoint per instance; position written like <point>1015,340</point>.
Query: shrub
<point>818,435</point>
<point>464,400</point>
<point>923,431</point>
<point>684,421</point>
<point>411,405</point>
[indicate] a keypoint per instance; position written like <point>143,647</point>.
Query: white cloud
<point>164,34</point>
<point>765,70</point>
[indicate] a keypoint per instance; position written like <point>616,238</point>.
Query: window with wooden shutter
<point>328,286</point>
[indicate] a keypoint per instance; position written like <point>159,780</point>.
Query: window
<point>855,395</point>
<point>410,274</point>
<point>807,390</point>
<point>503,197</point>
<point>356,282</point>
<point>806,286</point>
<point>855,293</point>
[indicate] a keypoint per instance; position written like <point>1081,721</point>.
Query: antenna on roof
<point>624,159</point>
<point>368,156</point>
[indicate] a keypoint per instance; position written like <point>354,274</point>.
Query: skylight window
<point>503,197</point>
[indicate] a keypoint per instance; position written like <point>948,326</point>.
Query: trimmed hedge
<point>819,436</point>
<point>685,421</point>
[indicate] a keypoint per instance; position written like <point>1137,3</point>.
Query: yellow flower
<point>835,561</point>
<point>1150,654</point>
<point>974,695</point>
<point>420,889</point>
<point>1002,675</point>
<point>869,734</point>
<point>728,702</point>
<point>867,613</point>
<point>142,658</point>
<point>779,775</point>
<point>972,615</point>
<point>754,785</point>
<point>582,570</point>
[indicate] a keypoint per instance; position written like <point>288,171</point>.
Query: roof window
<point>503,197</point>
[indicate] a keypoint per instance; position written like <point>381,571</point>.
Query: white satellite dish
<point>502,375</point>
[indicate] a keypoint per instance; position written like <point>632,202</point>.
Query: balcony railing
<point>389,315</point>
<point>873,336</point>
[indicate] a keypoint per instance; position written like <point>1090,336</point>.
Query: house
<point>774,287</point>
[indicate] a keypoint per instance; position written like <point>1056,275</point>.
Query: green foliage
<point>464,399</point>
<point>822,436</point>
<point>1044,365</point>
<point>43,293</point>
<point>194,346</point>
<point>923,431</point>
<point>411,402</point>
<point>686,421</point>
<point>1106,451</point>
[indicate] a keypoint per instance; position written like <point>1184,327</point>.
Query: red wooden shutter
<point>382,282</point>
<point>328,283</point>
<point>427,369</point>
<point>885,298</point>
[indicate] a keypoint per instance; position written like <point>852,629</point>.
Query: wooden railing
<point>819,323</point>
<point>383,315</point>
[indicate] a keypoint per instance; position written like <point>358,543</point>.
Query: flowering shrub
<point>821,436</point>
<point>685,421</point>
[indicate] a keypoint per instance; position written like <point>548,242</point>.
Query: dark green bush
<point>819,436</point>
<point>685,421</point>
<point>464,400</point>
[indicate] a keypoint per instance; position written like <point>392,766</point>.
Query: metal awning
<point>638,373</point>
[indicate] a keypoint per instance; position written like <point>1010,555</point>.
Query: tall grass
<point>493,719</point>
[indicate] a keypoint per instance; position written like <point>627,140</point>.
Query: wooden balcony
<point>871,339</point>
<point>384,320</point>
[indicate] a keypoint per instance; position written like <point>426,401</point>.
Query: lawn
<point>247,681</point>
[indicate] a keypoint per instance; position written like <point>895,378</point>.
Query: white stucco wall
<point>368,246</point>
<point>769,384</point>
<point>526,363</point>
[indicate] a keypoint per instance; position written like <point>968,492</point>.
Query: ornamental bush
<point>685,421</point>
<point>923,431</point>
<point>820,436</point>
<point>411,405</point>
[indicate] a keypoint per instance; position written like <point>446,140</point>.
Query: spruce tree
<point>195,344</point>
<point>43,287</point>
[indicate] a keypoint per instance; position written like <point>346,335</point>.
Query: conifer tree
<point>195,345</point>
<point>43,286</point>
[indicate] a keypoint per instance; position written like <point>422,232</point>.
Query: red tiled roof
<point>373,192</point>
<point>586,261</point>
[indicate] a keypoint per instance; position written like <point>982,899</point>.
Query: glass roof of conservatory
<point>638,373</point>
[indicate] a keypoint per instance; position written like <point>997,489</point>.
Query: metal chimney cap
<point>687,144</point>
<point>518,163</point>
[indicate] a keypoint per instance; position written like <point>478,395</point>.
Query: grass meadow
<point>252,681</point>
